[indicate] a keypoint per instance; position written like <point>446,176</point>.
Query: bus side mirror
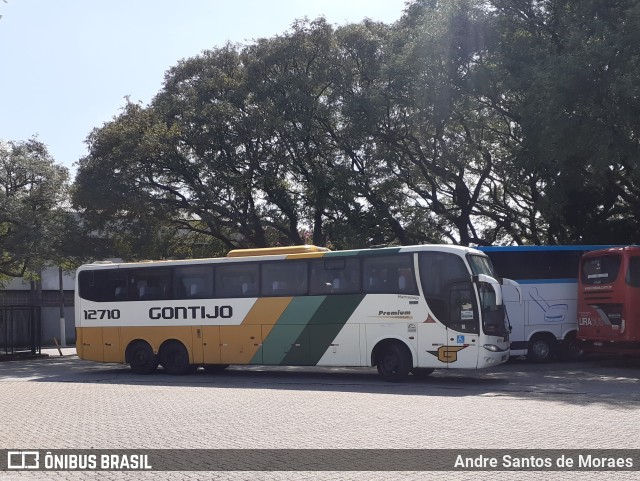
<point>510,282</point>
<point>494,284</point>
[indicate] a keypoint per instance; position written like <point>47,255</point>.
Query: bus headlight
<point>492,348</point>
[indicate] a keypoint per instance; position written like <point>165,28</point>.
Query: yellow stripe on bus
<point>206,344</point>
<point>238,344</point>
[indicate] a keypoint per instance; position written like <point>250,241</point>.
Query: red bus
<point>609,301</point>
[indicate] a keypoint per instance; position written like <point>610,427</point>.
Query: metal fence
<point>20,330</point>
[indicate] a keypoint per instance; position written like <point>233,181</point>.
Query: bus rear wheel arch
<point>393,360</point>
<point>140,357</point>
<point>541,347</point>
<point>174,358</point>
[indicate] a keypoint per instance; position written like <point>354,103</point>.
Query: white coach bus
<point>402,309</point>
<point>544,324</point>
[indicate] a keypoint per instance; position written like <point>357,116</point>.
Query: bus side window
<point>149,284</point>
<point>334,276</point>
<point>236,280</point>
<point>284,278</point>
<point>102,285</point>
<point>633,272</point>
<point>389,274</point>
<point>193,282</point>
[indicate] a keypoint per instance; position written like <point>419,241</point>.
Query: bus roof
<point>614,250</point>
<point>544,248</point>
<point>291,252</point>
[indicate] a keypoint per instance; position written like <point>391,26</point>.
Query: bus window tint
<point>288,278</point>
<point>438,271</point>
<point>600,270</point>
<point>334,276</point>
<point>633,272</point>
<point>236,280</point>
<point>193,282</point>
<point>391,274</point>
<point>149,284</point>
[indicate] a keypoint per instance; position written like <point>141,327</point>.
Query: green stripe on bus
<point>322,329</point>
<point>283,338</point>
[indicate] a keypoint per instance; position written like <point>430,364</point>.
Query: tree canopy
<point>469,122</point>
<point>33,192</point>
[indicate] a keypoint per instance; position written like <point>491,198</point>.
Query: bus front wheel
<point>141,358</point>
<point>175,358</point>
<point>394,362</point>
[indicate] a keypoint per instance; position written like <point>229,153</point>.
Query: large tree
<point>466,121</point>
<point>33,207</point>
<point>569,77</point>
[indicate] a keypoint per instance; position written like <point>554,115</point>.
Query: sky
<point>66,66</point>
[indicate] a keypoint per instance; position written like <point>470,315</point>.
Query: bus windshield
<point>481,265</point>
<point>600,270</point>
<point>493,315</point>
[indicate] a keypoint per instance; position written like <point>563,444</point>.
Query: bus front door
<point>463,327</point>
<point>453,341</point>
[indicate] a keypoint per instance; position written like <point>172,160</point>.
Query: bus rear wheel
<point>570,349</point>
<point>141,358</point>
<point>175,358</point>
<point>394,362</point>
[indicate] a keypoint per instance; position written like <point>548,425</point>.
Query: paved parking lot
<point>63,402</point>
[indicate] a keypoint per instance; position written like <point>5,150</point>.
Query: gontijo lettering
<point>191,312</point>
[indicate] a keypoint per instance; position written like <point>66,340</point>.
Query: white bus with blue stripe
<point>544,322</point>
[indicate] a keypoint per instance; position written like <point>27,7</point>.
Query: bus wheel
<point>141,358</point>
<point>569,349</point>
<point>540,348</point>
<point>175,358</point>
<point>421,372</point>
<point>394,362</point>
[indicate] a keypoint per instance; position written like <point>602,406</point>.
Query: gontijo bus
<point>402,309</point>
